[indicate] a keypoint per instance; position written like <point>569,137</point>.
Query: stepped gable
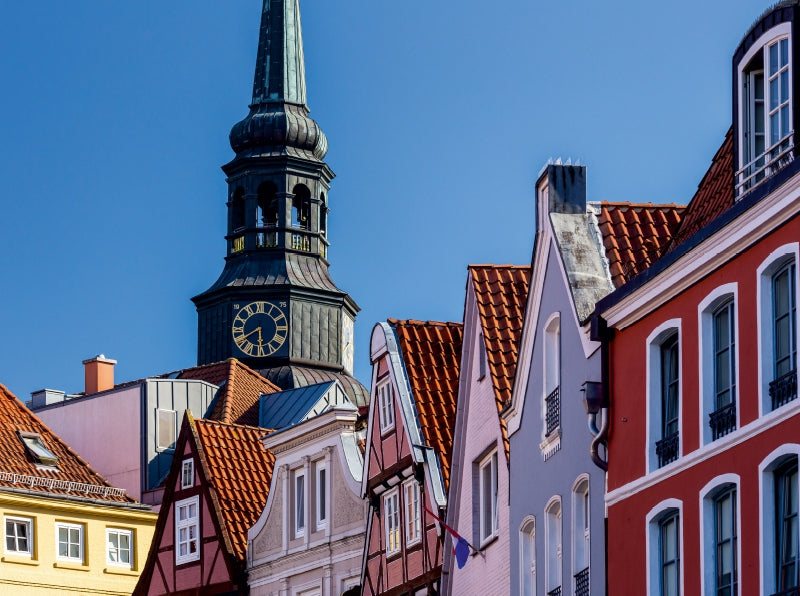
<point>431,353</point>
<point>714,193</point>
<point>238,469</point>
<point>69,467</point>
<point>501,292</point>
<point>635,235</point>
<point>239,393</point>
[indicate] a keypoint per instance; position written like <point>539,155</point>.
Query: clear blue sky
<point>115,119</point>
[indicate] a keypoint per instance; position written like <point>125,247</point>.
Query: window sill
<point>111,570</point>
<point>487,543</point>
<point>394,555</point>
<point>186,562</point>
<point>76,566</point>
<point>551,444</point>
<point>19,560</point>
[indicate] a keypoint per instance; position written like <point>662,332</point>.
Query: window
<point>386,406</point>
<point>37,450</point>
<point>187,473</point>
<point>481,357</point>
<point>725,547</point>
<point>669,554</point>
<point>187,530</point>
<point>391,510</point>
<point>786,527</point>
<point>487,474</point>
<point>119,547</point>
<point>19,536</point>
<point>553,547</point>
<point>667,447</point>
<point>552,375</point>
<point>663,394</point>
<point>69,540</point>
<point>166,429</point>
<point>299,503</point>
<point>783,387</point>
<point>580,537</point>
<point>321,502</point>
<point>527,557</point>
<point>765,109</point>
<point>413,516</point>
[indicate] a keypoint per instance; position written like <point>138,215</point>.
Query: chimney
<point>98,374</point>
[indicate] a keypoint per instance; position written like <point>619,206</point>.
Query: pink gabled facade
<point>408,449</point>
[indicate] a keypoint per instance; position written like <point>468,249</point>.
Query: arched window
<point>664,394</point>
<point>268,205</point>
<point>665,545</point>
<point>301,207</point>
<point>237,210</point>
<point>552,375</point>
<point>580,536</point>
<point>323,215</point>
<point>527,557</point>
<point>553,548</point>
<point>720,536</point>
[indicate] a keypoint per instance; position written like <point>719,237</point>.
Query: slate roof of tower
<point>293,376</point>
<point>15,459</point>
<point>715,193</point>
<point>238,469</point>
<point>501,292</point>
<point>635,235</point>
<point>431,353</point>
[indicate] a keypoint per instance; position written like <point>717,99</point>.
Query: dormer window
<point>35,447</point>
<point>766,132</point>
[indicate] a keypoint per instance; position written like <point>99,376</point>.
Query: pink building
<point>409,445</point>
<point>478,496</point>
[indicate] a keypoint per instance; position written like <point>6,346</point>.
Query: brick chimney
<point>98,374</point>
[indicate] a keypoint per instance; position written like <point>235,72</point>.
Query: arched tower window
<point>301,207</point>
<point>323,215</point>
<point>267,205</point>
<point>237,209</point>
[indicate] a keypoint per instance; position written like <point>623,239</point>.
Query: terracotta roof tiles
<point>431,352</point>
<point>635,235</point>
<point>501,292</point>
<point>239,468</point>
<point>15,458</point>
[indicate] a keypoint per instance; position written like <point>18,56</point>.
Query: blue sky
<point>115,120</point>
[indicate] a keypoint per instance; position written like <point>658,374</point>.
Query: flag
<point>461,548</point>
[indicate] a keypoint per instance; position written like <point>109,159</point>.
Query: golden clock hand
<point>246,335</point>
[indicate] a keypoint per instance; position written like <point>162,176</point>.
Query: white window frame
<point>487,489</point>
<point>413,512</point>
<point>653,520</point>
<point>385,404</point>
<point>705,313</point>
<point>26,521</point>
<point>321,495</point>
<point>391,513</point>
<point>81,545</point>
<point>482,357</point>
<point>188,523</point>
<point>119,532</point>
<point>187,472</point>
<point>174,429</point>
<point>581,525</point>
<point>553,540</point>
<point>708,496</point>
<point>527,555</point>
<point>654,342</point>
<point>299,502</point>
<point>777,259</point>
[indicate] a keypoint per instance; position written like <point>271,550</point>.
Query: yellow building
<point>65,529</point>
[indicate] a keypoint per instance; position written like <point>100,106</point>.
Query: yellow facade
<point>46,570</point>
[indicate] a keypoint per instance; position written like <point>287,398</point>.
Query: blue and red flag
<point>461,548</point>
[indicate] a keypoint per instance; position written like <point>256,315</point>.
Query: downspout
<point>595,399</point>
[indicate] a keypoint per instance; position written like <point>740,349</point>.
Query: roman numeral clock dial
<point>260,328</point>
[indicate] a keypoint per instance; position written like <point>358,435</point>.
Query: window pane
<point>784,52</point>
<point>773,59</point>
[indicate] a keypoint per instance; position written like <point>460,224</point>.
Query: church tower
<point>275,307</point>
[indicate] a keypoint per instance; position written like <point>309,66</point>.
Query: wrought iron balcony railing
<point>555,592</point>
<point>773,159</point>
<point>667,449</point>
<point>788,592</point>
<point>783,389</point>
<point>552,412</point>
<point>582,583</point>
<point>723,421</point>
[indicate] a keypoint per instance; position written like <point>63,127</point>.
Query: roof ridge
<point>231,424</point>
<point>235,362</point>
<point>418,323</point>
<point>493,266</point>
<point>647,205</point>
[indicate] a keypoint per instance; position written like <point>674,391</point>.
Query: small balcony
<point>783,389</point>
<point>667,449</point>
<point>552,412</point>
<point>763,166</point>
<point>582,583</point>
<point>555,592</point>
<point>723,421</point>
<point>788,592</point>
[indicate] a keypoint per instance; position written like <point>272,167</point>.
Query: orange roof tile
<point>238,468</point>
<point>501,292</point>
<point>15,459</point>
<point>431,352</point>
<point>240,389</point>
<point>635,235</point>
<point>714,193</point>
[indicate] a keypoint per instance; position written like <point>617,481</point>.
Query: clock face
<point>260,328</point>
<point>347,343</point>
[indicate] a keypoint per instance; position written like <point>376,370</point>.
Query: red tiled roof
<point>635,235</point>
<point>240,389</point>
<point>15,459</point>
<point>431,352</point>
<point>238,469</point>
<point>714,193</point>
<point>501,292</point>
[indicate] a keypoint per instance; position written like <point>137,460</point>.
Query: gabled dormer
<point>764,94</point>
